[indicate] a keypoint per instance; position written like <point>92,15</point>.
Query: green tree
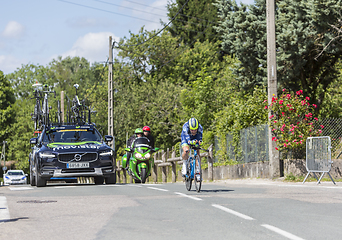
<point>7,112</point>
<point>302,31</point>
<point>194,22</point>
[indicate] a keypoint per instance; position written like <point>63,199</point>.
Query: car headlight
<point>138,155</point>
<point>148,155</point>
<point>46,155</point>
<point>108,153</point>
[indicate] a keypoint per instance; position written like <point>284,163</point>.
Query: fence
<point>166,160</point>
<point>253,143</point>
<point>318,157</point>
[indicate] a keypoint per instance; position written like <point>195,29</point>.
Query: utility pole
<point>3,156</point>
<point>272,83</point>
<point>62,106</point>
<point>110,92</point>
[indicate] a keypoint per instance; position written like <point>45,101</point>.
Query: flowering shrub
<point>291,120</point>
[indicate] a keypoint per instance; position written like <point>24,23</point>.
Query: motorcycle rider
<point>147,133</point>
<point>137,133</point>
<point>191,133</point>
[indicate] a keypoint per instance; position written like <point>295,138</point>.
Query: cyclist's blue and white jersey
<point>186,135</point>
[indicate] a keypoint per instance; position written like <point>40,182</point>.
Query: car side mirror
<point>34,141</point>
<point>156,149</point>
<point>108,138</point>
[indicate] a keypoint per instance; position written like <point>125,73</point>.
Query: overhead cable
<point>99,9</point>
<point>133,45</point>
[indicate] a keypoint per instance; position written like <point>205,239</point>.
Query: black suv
<point>70,151</point>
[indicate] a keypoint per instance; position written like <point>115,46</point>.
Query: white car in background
<point>15,177</point>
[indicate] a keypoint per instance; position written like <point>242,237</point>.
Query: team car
<point>15,177</point>
<point>69,151</point>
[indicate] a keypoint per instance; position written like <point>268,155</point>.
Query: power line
<point>117,5</point>
<point>99,9</point>
<point>159,30</point>
<point>144,5</point>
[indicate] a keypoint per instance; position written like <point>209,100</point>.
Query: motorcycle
<point>141,161</point>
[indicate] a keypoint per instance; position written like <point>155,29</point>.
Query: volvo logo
<point>77,157</point>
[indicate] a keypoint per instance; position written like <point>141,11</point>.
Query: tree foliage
<point>195,22</point>
<point>303,29</point>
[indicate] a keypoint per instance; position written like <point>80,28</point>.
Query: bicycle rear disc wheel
<point>198,184</point>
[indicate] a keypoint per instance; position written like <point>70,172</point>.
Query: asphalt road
<point>232,209</point>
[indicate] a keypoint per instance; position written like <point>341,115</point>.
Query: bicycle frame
<point>192,161</point>
<point>192,174</point>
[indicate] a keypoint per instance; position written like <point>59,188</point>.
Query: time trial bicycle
<point>194,169</point>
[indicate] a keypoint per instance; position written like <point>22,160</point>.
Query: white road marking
<point>65,187</point>
<point>159,189</point>
<point>4,212</point>
<point>232,212</point>
<point>188,196</point>
<point>282,232</point>
<point>20,188</point>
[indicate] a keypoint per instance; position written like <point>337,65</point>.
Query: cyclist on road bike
<point>191,134</point>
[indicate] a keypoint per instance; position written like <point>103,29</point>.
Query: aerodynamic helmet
<point>193,124</point>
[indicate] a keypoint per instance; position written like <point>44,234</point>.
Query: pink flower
<point>295,140</point>
<point>265,101</point>
<point>307,98</point>
<point>281,102</point>
<point>315,106</point>
<point>276,148</point>
<point>300,136</point>
<point>271,116</point>
<point>275,121</point>
<point>265,107</point>
<point>322,126</point>
<point>316,119</point>
<point>284,90</point>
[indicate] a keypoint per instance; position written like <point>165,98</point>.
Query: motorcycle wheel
<point>143,175</point>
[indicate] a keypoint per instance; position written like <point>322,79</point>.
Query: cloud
<point>92,46</point>
<point>9,63</point>
<point>14,30</point>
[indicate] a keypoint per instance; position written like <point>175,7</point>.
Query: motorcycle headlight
<point>147,155</point>
<point>138,155</point>
<point>46,155</point>
<point>107,153</point>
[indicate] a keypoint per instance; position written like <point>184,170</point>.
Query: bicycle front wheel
<point>198,175</point>
<point>188,179</point>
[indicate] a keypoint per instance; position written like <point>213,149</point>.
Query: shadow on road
<point>217,190</point>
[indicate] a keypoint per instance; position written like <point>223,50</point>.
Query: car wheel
<point>98,180</point>
<point>32,178</point>
<point>111,179</point>
<point>40,182</point>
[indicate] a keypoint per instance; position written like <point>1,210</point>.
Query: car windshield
<point>15,173</point>
<point>71,135</point>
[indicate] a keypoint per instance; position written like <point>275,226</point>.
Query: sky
<point>38,31</point>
